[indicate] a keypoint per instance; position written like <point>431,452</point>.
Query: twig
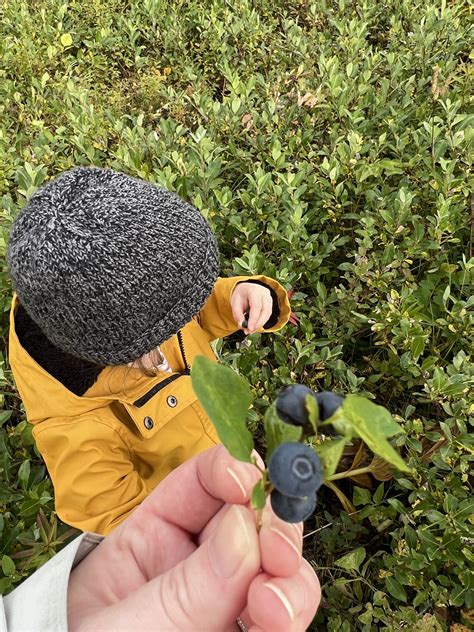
<point>198,110</point>
<point>347,473</point>
<point>327,525</point>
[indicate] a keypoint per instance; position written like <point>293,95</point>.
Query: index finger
<point>265,313</point>
<point>192,494</point>
<point>255,309</point>
<point>238,305</point>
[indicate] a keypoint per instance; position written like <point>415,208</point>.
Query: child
<point>116,293</point>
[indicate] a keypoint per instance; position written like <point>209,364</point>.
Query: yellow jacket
<point>106,450</point>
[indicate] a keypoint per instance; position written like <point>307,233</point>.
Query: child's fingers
<point>265,312</point>
<point>239,306</point>
<point>256,307</point>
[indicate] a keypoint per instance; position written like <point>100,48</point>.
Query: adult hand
<point>190,558</point>
<point>252,299</point>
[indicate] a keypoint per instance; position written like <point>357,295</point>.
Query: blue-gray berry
<point>295,469</point>
<point>328,403</point>
<point>291,404</point>
<point>292,509</point>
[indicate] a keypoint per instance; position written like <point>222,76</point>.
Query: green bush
<point>330,145</point>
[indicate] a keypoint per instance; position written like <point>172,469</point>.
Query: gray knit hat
<point>108,266</point>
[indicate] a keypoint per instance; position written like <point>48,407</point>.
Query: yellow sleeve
<point>216,315</point>
<point>95,484</point>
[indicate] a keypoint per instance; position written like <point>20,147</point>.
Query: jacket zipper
<point>187,368</point>
<point>141,401</point>
<point>152,392</point>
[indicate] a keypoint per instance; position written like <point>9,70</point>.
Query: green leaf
<point>313,412</point>
<point>397,505</point>
<point>8,566</point>
<point>395,588</point>
<point>417,346</point>
<point>24,474</point>
<point>5,416</point>
<point>373,424</point>
<point>66,39</point>
<point>457,595</point>
<point>330,453</point>
<point>235,105</point>
<point>435,516</point>
<point>276,149</point>
<point>352,560</point>
<point>379,494</point>
<point>258,495</point>
<point>361,496</point>
<point>226,397</point>
<point>276,431</point>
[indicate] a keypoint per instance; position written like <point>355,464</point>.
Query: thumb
<point>207,591</point>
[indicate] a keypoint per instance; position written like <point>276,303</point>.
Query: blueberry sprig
<point>295,469</point>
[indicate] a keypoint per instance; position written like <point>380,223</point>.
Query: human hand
<point>190,558</point>
<point>252,299</point>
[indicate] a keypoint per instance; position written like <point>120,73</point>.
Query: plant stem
<point>263,470</point>
<point>258,519</point>
<point>347,473</point>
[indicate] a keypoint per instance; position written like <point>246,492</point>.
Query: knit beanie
<point>109,266</point>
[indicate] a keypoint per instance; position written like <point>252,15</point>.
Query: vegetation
<point>330,145</point>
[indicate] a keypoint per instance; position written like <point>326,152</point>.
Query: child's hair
<point>157,360</point>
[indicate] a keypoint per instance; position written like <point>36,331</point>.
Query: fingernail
<point>244,478</point>
<point>283,598</point>
<point>298,527</point>
<point>230,543</point>
<point>236,478</point>
<point>258,458</point>
<point>287,540</point>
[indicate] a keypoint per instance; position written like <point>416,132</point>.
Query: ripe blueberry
<point>292,509</point>
<point>295,469</point>
<point>328,403</point>
<point>291,404</point>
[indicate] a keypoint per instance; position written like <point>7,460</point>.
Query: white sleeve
<point>39,604</point>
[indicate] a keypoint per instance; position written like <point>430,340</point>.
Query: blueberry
<point>292,509</point>
<point>328,403</point>
<point>295,469</point>
<point>291,404</point>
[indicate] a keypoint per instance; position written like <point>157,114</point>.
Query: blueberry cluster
<point>291,404</point>
<point>294,469</point>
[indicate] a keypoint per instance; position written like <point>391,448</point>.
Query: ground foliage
<point>329,143</point>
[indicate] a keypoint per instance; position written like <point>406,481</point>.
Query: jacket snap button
<point>149,423</point>
<point>172,401</point>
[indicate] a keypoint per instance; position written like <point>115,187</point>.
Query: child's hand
<point>251,306</point>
